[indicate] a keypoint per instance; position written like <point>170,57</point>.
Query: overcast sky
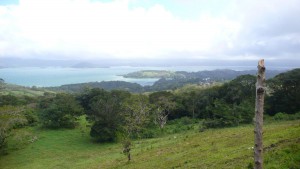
<point>153,29</point>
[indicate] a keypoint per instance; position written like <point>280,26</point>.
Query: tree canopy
<point>60,111</point>
<point>284,93</point>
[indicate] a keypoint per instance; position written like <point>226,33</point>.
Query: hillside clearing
<point>213,148</point>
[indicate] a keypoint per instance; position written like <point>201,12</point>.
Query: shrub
<point>281,116</point>
<point>148,133</point>
<point>187,121</point>
<point>297,116</point>
<point>31,117</point>
<point>10,118</point>
<point>208,123</point>
<point>62,111</point>
<point>104,131</point>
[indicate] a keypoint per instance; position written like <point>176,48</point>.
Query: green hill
<point>153,74</point>
<point>213,148</point>
<point>16,90</point>
<point>167,80</point>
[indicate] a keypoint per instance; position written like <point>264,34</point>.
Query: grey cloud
<point>269,28</point>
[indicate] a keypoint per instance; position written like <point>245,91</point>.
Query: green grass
<point>213,148</point>
<point>16,90</point>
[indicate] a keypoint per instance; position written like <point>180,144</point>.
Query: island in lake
<point>152,74</point>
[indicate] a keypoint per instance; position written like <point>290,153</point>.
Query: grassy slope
<point>16,90</point>
<point>152,74</point>
<point>214,148</point>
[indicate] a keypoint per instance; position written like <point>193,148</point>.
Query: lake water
<point>53,76</point>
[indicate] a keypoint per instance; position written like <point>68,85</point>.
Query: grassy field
<point>213,148</point>
<point>16,90</point>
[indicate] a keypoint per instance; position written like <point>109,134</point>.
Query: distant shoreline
<point>57,76</point>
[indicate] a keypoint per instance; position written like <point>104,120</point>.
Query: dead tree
<point>161,117</point>
<point>259,110</point>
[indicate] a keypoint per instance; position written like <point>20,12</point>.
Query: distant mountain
<point>86,65</point>
<point>18,62</point>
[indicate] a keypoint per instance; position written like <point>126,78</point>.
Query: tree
<point>284,93</point>
<point>193,101</point>
<point>104,109</point>
<point>222,115</point>
<point>61,111</point>
<point>136,115</point>
<point>229,104</point>
<point>243,112</point>
<point>205,100</point>
<point>85,99</point>
<point>161,117</point>
<point>164,104</point>
<point>189,100</point>
<point>238,90</point>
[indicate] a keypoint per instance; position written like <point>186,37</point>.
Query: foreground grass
<point>214,148</point>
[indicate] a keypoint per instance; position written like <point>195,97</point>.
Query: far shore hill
<point>218,73</point>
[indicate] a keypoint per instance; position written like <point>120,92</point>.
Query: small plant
<point>126,148</point>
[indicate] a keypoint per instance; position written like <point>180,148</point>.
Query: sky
<point>150,29</point>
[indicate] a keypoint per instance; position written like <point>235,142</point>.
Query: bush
<point>217,123</point>
<point>62,111</point>
<point>297,116</point>
<point>187,121</point>
<point>31,117</point>
<point>180,125</point>
<point>10,118</point>
<point>208,123</point>
<point>104,131</point>
<point>281,116</point>
<point>148,133</point>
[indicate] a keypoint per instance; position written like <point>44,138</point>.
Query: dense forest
<point>123,116</point>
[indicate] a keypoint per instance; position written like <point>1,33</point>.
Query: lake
<point>56,76</point>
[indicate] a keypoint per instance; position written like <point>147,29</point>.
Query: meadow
<point>213,148</point>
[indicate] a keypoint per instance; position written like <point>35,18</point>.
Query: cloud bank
<point>129,29</point>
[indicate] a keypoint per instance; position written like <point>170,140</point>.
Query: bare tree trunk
<point>128,156</point>
<point>259,110</point>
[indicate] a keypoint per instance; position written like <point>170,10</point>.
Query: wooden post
<point>259,112</point>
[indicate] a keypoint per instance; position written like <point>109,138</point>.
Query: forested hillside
<point>135,126</point>
<point>219,74</point>
<point>168,80</point>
